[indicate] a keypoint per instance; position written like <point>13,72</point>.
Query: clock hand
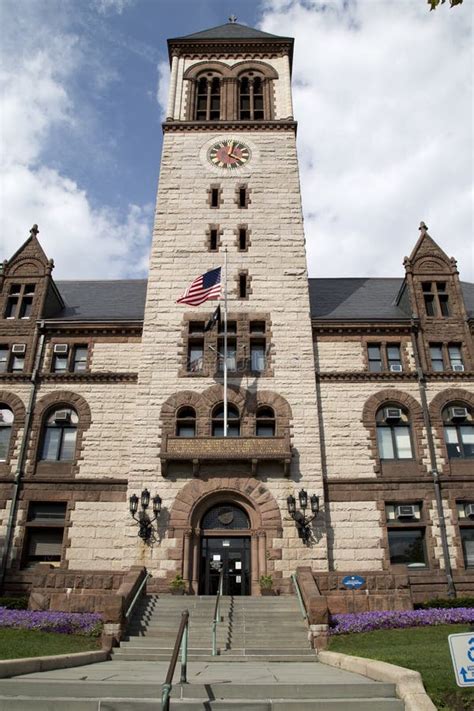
<point>231,148</point>
<point>232,155</point>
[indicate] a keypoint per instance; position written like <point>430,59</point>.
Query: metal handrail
<point>216,619</point>
<point>181,641</point>
<point>299,596</point>
<point>136,596</point>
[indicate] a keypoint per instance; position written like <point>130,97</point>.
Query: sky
<point>382,95</point>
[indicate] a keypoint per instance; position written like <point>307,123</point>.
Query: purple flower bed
<point>86,623</point>
<point>399,619</point>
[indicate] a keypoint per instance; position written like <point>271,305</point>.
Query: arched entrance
<point>225,547</point>
<point>232,508</point>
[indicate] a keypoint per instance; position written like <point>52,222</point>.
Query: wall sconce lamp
<point>145,530</point>
<point>299,517</point>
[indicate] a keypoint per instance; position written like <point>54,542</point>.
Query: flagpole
<point>225,342</point>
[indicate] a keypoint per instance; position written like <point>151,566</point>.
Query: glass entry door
<point>232,555</point>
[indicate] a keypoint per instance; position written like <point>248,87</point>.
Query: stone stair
<point>265,628</point>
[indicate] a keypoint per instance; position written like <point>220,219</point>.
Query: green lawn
<point>15,643</point>
<point>424,649</point>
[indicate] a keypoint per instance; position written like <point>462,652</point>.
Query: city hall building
<point>350,435</point>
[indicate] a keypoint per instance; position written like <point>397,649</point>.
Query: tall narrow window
<point>374,353</point>
<point>258,112</point>
<point>213,239</point>
<point>13,301</point>
<point>436,298</point>
<point>233,421</point>
<point>436,356</point>
<point>393,433</point>
<point>208,99</point>
<point>394,358</point>
<point>244,99</point>
<point>243,242</point>
<point>186,422</point>
<point>27,301</point>
<point>459,431</point>
<point>44,532</point>
<point>4,356</point>
<point>243,285</point>
<point>257,355</point>
<point>215,197</point>
<point>195,356</point>
<point>6,423</point>
<point>243,197</point>
<point>20,301</point>
<point>455,357</point>
<point>79,359</point>
<point>265,422</point>
<point>251,101</point>
<point>59,436</point>
<point>231,354</point>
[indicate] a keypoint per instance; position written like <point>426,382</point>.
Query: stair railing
<point>181,641</point>
<point>131,607</point>
<point>299,596</point>
<point>217,618</point>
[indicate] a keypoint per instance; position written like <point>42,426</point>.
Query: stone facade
<point>125,373</point>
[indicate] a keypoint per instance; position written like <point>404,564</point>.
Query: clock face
<point>229,154</point>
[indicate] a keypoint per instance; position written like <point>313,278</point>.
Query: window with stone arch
<point>6,427</point>
<point>251,100</point>
<point>233,421</point>
<point>394,438</point>
<point>59,434</point>
<point>208,97</point>
<point>225,516</point>
<point>458,425</point>
<point>186,422</point>
<point>265,422</point>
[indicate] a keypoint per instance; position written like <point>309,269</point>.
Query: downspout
<point>433,462</point>
<point>38,344</point>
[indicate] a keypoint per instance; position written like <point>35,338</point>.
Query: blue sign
<point>461,647</point>
<point>353,582</point>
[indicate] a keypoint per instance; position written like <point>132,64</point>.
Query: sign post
<point>353,582</point>
<point>461,647</point>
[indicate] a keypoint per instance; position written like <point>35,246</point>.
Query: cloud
<point>107,6</point>
<point>85,239</point>
<point>162,87</point>
<point>382,91</point>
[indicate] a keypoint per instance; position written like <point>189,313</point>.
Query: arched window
<point>208,98</point>
<point>251,104</point>
<point>186,422</point>
<point>458,431</point>
<point>225,516</point>
<point>6,424</point>
<point>393,433</point>
<point>265,424</point>
<point>233,421</point>
<point>59,435</point>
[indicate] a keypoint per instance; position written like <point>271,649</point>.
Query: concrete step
<point>225,656</point>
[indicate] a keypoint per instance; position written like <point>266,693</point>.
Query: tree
<point>434,3</point>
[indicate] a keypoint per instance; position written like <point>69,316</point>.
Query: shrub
<point>440,602</point>
<point>398,619</point>
<point>178,583</point>
<point>14,603</point>
<point>266,582</point>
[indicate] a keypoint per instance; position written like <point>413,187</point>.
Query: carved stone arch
<point>174,403</point>
<point>267,70</point>
<point>221,68</point>
<point>281,408</point>
<point>436,407</point>
<point>407,402</point>
<point>432,264</point>
<point>198,496</point>
<point>58,399</point>
<point>18,409</point>
<point>243,399</point>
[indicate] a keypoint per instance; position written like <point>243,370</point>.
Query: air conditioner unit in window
<point>18,348</point>
<point>60,348</point>
<point>457,413</point>
<point>62,416</point>
<point>406,511</point>
<point>392,413</point>
<point>458,368</point>
<point>469,510</point>
<point>396,368</point>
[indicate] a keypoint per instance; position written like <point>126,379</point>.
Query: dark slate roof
<point>231,30</point>
<point>355,298</point>
<point>339,299</point>
<point>122,300</point>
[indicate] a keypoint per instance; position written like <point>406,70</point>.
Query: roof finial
<point>34,231</point>
<point>423,228</point>
<point>233,19</point>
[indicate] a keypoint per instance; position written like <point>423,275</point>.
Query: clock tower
<point>229,184</point>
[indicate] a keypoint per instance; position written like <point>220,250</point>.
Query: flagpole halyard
<point>225,342</point>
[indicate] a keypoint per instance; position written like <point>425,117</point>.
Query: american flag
<point>204,288</point>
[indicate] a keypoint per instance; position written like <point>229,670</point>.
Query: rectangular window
<point>43,545</point>
<point>242,239</point>
<point>452,442</point>
<point>374,352</point>
<point>243,286</point>
<point>47,511</point>
<point>257,326</point>
<point>79,359</point>
<point>5,433</point>
<point>436,355</point>
<point>213,240</point>
<point>407,547</point>
<point>402,442</point>
<point>394,356</point>
<point>443,304</point>
<point>12,305</point>
<point>195,356</point>
<point>4,354</point>
<point>467,538</point>
<point>59,363</point>
<point>20,301</point>
<point>231,354</point>
<point>231,327</point>
<point>18,362</point>
<point>196,327</point>
<point>385,443</point>
<point>455,356</point>
<point>257,356</point>
<point>215,194</point>
<point>242,196</point>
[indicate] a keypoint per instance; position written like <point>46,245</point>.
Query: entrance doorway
<point>232,556</point>
<point>225,546</point>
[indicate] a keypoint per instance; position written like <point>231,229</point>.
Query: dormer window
<point>436,298</point>
<point>251,104</point>
<point>20,301</point>
<point>208,98</point>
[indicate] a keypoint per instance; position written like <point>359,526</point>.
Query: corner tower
<point>228,181</point>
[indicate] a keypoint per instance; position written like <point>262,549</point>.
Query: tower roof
<point>231,30</point>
